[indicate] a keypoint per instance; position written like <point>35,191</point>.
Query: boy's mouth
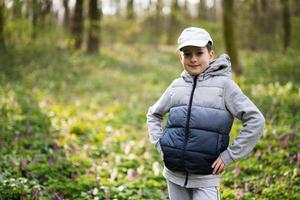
<point>193,66</point>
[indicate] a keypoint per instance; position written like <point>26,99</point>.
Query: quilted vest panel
<point>208,136</point>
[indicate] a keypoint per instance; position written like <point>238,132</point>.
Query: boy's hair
<point>209,46</point>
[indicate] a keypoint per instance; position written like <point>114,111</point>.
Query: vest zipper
<point>187,126</point>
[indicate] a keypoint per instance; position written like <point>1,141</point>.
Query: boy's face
<point>195,60</point>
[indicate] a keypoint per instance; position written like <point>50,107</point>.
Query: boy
<point>202,104</point>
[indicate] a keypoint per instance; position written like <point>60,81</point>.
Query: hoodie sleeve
<point>253,123</point>
<point>155,117</point>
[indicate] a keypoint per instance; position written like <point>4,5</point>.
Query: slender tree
<point>66,14</point>
<point>27,5</point>
<point>94,28</point>
<point>219,10</point>
<point>255,23</point>
<point>229,35</point>
<point>77,24</point>
<point>173,23</point>
<point>184,11</point>
<point>286,19</point>
<point>44,8</point>
<point>158,19</point>
<point>296,7</point>
<point>267,17</point>
<point>17,6</point>
<point>130,12</point>
<point>202,10</point>
<point>2,41</point>
<point>214,11</point>
<point>34,18</point>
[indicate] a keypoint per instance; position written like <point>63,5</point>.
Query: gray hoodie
<point>215,89</point>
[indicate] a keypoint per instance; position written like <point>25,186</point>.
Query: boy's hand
<point>219,166</point>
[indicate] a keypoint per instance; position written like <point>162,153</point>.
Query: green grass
<point>73,125</point>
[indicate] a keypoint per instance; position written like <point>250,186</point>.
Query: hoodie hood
<point>218,67</point>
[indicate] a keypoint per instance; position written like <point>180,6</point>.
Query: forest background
<point>77,78</point>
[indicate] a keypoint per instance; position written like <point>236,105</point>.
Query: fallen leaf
<point>267,179</point>
<point>132,174</point>
<point>107,194</point>
<point>58,197</point>
<point>237,169</point>
<point>35,193</point>
<point>240,194</point>
<point>258,153</point>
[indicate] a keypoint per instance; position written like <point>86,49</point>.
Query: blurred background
<point>78,76</point>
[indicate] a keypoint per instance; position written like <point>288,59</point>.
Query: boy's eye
<point>200,53</point>
<point>186,53</point>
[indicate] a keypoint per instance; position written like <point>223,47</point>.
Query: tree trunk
<point>267,20</point>
<point>296,7</point>
<point>130,11</point>
<point>252,41</point>
<point>214,11</point>
<point>44,8</point>
<point>184,11</point>
<point>66,14</point>
<point>158,20</point>
<point>17,6</point>
<point>264,16</point>
<point>2,41</point>
<point>286,19</point>
<point>229,35</point>
<point>174,23</point>
<point>77,24</point>
<point>27,9</point>
<point>34,19</point>
<point>94,29</point>
<point>219,10</point>
<point>202,10</point>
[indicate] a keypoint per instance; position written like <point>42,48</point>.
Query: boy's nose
<point>193,58</point>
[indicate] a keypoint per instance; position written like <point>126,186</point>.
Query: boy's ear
<point>179,54</point>
<point>212,54</point>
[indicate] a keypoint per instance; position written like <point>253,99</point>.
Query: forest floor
<point>73,125</point>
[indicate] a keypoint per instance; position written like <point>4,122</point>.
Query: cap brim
<point>196,43</point>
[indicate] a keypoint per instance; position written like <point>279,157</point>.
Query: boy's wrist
<point>158,147</point>
<point>225,156</point>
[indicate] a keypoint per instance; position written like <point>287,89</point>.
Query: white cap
<point>194,36</point>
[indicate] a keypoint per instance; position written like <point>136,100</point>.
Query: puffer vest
<point>195,136</point>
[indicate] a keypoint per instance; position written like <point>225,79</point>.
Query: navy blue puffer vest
<point>194,137</point>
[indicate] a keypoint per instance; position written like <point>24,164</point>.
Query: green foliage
<point>295,30</point>
<point>73,125</point>
<point>17,31</point>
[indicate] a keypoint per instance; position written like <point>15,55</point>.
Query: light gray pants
<point>177,192</point>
